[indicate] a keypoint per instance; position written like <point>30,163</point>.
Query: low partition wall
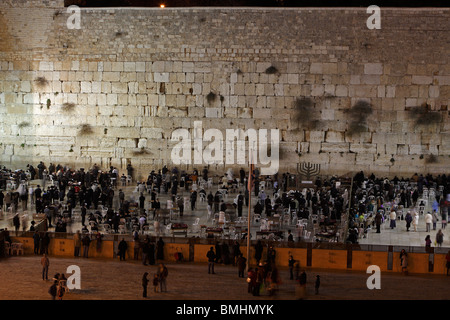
<point>308,255</point>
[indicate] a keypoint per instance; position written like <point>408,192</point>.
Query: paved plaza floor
<point>21,279</point>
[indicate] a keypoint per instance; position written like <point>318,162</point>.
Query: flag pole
<point>249,187</point>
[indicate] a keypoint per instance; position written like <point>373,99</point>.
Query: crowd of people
<point>98,195</point>
<point>377,201</point>
<point>365,204</point>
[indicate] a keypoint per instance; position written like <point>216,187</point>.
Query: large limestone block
<point>213,112</point>
<point>334,136</point>
<point>111,76</point>
<point>151,133</point>
<point>119,87</point>
<point>373,68</point>
<point>334,147</point>
<point>262,113</point>
<point>315,136</point>
<point>415,149</point>
<point>125,143</point>
<point>421,79</point>
<point>362,148</point>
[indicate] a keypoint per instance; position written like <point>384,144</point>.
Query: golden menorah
<point>308,169</point>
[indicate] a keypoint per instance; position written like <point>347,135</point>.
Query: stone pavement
<point>21,279</point>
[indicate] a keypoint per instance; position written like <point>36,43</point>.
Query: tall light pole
<point>249,188</point>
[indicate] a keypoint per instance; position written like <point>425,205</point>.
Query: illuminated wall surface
<point>112,92</point>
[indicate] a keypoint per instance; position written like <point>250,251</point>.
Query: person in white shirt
<point>415,220</point>
<point>428,221</point>
<point>31,194</point>
<point>392,217</point>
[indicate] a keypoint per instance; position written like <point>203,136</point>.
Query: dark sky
<point>260,3</point>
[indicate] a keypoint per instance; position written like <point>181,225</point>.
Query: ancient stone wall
<point>112,92</point>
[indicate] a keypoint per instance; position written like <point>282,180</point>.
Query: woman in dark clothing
<point>258,251</point>
<point>45,241</point>
<point>151,253</point>
<point>36,241</point>
<point>144,284</point>
<point>160,249</point>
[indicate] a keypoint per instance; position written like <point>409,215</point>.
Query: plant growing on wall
<point>431,159</point>
<point>67,106</point>
<point>85,129</point>
<point>23,124</point>
<point>271,70</point>
<point>423,116</point>
<point>41,81</point>
<point>358,115</point>
<point>211,97</point>
<point>140,152</point>
<point>304,113</point>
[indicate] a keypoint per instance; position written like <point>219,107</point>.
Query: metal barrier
<point>243,242</point>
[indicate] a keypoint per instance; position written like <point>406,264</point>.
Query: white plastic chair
<point>157,227</point>
<point>195,225</point>
<point>106,228</point>
<point>7,248</point>
<point>17,248</point>
<point>264,225</point>
<point>168,228</point>
<point>209,211</point>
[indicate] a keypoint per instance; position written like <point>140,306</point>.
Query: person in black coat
<point>151,253</point>
<point>145,252</point>
<point>115,222</point>
<point>144,285</point>
<point>211,259</point>
<point>86,241</point>
<point>45,242</point>
<point>193,199</point>
<point>16,222</point>
<point>160,249</point>
<point>218,253</point>
<point>141,201</point>
<point>258,251</point>
<point>240,203</point>
<point>123,246</point>
<point>36,240</point>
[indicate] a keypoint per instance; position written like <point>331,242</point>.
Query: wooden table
<point>327,235</point>
<point>262,234</point>
<point>179,228</point>
<point>214,231</point>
